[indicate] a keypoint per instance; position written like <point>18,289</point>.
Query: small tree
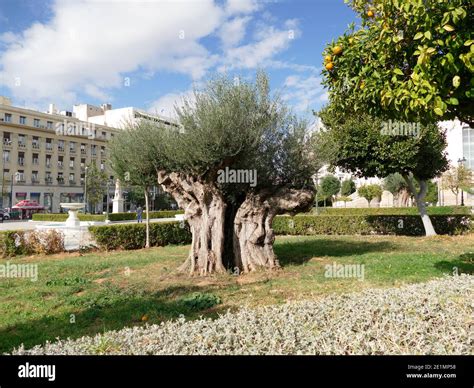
<point>329,187</point>
<point>95,188</point>
<point>396,184</point>
<point>348,187</point>
<point>369,192</point>
<point>363,148</point>
<point>344,199</point>
<point>457,179</point>
<point>132,162</point>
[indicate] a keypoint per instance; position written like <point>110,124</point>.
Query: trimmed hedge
<point>61,217</point>
<point>390,211</point>
<point>404,225</point>
<point>133,236</point>
<point>153,214</point>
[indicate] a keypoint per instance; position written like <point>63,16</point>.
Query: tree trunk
<point>420,203</point>
<point>147,209</point>
<point>253,233</point>
<point>204,210</point>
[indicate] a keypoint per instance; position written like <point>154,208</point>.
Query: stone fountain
<point>73,208</point>
<point>76,233</point>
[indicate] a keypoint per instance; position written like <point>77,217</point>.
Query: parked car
<point>6,215</point>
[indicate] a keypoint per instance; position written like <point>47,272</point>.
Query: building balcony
<point>35,181</point>
<point>60,166</point>
<point>72,182</point>
<point>7,143</point>
<point>49,148</point>
<point>83,152</point>
<point>48,180</point>
<point>60,149</point>
<point>21,145</point>
<point>21,162</point>
<point>60,181</point>
<point>36,146</point>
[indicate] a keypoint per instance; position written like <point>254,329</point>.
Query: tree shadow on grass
<point>97,316</point>
<point>301,251</point>
<point>463,264</point>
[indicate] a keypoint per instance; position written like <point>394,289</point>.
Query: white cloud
<point>241,6</point>
<point>233,32</point>
<point>89,45</point>
<point>304,93</point>
<point>269,41</point>
<point>165,105</point>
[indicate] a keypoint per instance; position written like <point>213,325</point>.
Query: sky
<point>151,53</point>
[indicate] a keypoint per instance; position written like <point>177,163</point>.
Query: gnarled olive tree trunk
<point>253,233</point>
<point>204,210</point>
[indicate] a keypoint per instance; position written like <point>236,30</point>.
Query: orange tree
<point>410,60</point>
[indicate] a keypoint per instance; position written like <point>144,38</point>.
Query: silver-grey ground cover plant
<point>429,318</point>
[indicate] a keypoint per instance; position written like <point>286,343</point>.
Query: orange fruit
<point>370,14</point>
<point>337,50</point>
<point>145,318</point>
<point>329,66</point>
<point>362,85</point>
<point>327,58</point>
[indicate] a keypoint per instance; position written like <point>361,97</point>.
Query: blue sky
<point>150,54</point>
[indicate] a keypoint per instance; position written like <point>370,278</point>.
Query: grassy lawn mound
<point>425,318</point>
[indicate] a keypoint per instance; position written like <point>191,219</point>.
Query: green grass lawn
<point>81,295</point>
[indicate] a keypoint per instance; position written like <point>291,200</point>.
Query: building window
<point>35,159</point>
<point>61,145</point>
<point>20,176</point>
<point>72,146</point>
<point>7,139</point>
<point>49,124</point>
<point>21,141</point>
<point>21,158</point>
<point>34,177</point>
<point>71,178</point>
<point>71,163</point>
<point>49,144</point>
<point>23,120</point>
<point>60,161</point>
<point>8,118</point>
<point>6,156</point>
<point>35,142</point>
<point>36,123</point>
<point>48,161</point>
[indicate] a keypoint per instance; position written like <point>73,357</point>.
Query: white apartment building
<point>45,154</point>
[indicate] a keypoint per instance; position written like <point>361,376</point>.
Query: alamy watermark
<point>229,175</point>
<point>67,128</point>
<point>400,128</point>
<point>10,270</point>
<point>335,270</point>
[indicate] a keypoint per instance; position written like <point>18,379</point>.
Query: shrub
<point>12,243</point>
<point>133,236</point>
<point>21,242</point>
<point>406,225</point>
<point>133,216</point>
<point>61,217</point>
<point>44,242</point>
<point>388,211</point>
<point>198,301</point>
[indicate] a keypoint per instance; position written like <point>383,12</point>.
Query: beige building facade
<point>45,155</point>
